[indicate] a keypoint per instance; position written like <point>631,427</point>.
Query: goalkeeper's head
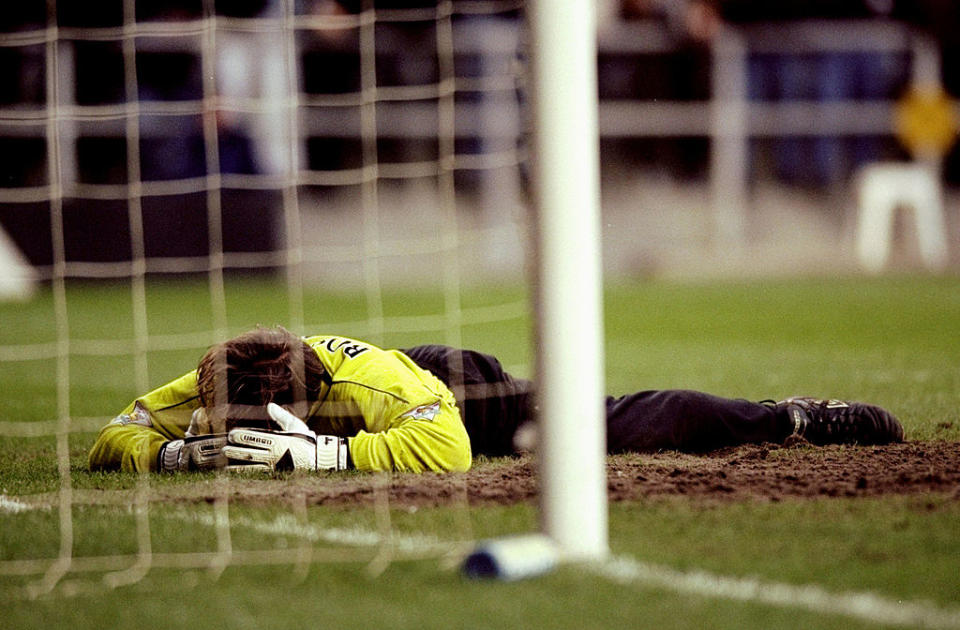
<point>237,378</point>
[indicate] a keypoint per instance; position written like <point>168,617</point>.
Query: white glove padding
<point>193,453</point>
<point>294,448</point>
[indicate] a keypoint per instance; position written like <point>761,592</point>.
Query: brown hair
<point>237,378</point>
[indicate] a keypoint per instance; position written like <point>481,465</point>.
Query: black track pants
<point>684,420</point>
<point>494,404</point>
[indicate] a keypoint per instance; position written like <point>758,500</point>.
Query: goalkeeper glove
<point>295,448</point>
<point>192,453</point>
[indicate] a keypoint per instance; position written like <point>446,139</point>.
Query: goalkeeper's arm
<point>130,448</point>
<point>415,446</point>
<point>133,439</point>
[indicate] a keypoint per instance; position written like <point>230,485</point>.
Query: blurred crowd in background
<point>330,64</point>
<point>830,75</point>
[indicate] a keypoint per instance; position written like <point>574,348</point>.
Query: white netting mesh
<point>317,143</point>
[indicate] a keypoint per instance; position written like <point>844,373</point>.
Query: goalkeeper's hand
<point>193,453</point>
<point>294,448</point>
<point>202,424</point>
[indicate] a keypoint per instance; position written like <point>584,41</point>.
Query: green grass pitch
<point>890,340</point>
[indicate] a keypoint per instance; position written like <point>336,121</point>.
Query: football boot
<point>820,421</point>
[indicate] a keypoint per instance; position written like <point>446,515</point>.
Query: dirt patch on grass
<point>773,472</point>
<point>754,472</point>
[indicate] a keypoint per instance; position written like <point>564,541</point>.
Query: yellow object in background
<point>925,121</point>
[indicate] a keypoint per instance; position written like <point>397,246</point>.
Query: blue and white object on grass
<point>512,558</point>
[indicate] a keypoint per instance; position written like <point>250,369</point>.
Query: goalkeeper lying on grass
<point>269,400</point>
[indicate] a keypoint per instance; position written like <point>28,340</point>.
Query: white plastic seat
<point>886,187</point>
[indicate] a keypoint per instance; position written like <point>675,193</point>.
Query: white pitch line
<point>866,606</point>
<point>11,505</point>
<point>862,605</point>
<point>288,525</point>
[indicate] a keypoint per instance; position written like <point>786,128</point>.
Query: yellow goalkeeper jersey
<point>396,415</point>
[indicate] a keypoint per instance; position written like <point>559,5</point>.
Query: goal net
<point>179,172</point>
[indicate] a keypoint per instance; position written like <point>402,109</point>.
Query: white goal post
<point>570,357</point>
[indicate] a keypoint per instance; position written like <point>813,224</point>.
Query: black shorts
<point>493,404</point>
